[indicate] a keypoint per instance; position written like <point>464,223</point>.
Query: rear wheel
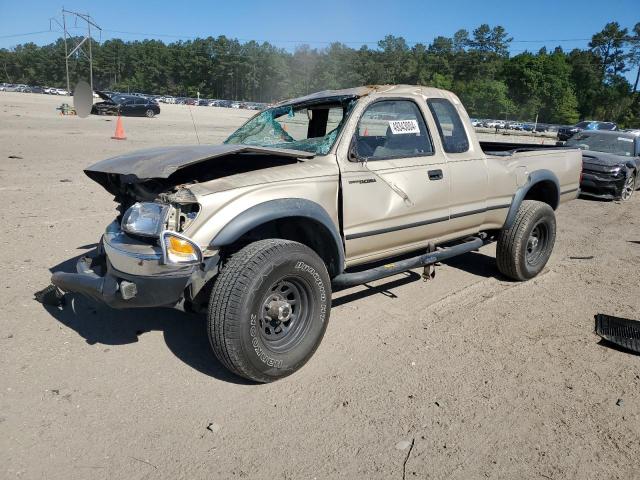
<point>269,309</point>
<point>524,249</point>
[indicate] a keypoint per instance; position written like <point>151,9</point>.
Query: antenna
<point>194,124</point>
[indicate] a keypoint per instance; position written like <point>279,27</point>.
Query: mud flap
<point>621,331</point>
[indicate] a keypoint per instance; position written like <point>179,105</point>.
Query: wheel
<point>629,186</point>
<point>524,249</point>
<point>269,309</point>
<point>150,113</point>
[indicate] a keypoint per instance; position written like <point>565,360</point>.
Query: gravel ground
<point>469,376</point>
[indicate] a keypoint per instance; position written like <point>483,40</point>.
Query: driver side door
<point>396,186</point>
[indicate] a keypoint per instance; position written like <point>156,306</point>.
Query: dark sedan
<point>610,163</point>
<point>565,133</point>
<point>127,105</point>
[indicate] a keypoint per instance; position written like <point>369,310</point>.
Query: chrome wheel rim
<point>628,187</point>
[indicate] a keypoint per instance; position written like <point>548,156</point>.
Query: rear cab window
<point>450,127</point>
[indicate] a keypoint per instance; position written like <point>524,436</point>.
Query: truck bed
<point>509,148</point>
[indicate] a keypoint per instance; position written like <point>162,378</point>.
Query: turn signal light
<point>179,249</point>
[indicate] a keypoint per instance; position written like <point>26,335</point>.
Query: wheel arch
<point>542,185</point>
<point>294,219</point>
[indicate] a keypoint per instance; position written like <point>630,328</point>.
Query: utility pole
<point>78,47</point>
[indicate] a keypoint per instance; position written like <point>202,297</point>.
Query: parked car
<point>126,105</point>
<point>37,89</point>
<point>565,133</point>
<point>203,226</point>
<point>61,91</point>
<point>611,163</point>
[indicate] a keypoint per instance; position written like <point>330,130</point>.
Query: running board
<point>345,280</point>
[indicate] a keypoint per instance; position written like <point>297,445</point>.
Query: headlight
<point>178,249</point>
<point>145,219</point>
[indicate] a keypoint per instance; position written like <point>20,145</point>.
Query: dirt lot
<point>470,376</point>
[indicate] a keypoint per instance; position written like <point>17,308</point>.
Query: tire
<point>628,187</point>
<point>150,113</point>
<point>260,283</point>
<point>524,249</point>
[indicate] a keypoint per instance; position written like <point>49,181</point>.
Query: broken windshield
<point>310,128</point>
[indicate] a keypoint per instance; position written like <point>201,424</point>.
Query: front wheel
<point>150,113</point>
<point>269,309</point>
<point>629,187</point>
<point>524,249</point>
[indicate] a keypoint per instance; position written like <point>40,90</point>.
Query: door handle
<point>435,174</point>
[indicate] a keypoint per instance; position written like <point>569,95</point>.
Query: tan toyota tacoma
<point>323,192</point>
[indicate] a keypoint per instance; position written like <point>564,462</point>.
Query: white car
<point>59,91</point>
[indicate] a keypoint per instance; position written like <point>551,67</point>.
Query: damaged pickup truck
<point>323,192</point>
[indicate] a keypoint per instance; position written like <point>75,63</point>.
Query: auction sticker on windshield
<point>404,126</point>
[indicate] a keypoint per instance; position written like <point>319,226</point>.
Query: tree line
<point>556,86</point>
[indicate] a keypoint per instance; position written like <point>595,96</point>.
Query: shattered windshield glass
<point>310,128</point>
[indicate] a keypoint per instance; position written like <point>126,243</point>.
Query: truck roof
<point>363,91</point>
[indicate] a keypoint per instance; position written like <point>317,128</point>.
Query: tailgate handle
<point>435,174</point>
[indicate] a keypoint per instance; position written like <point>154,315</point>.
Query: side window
<point>392,129</point>
<point>454,138</point>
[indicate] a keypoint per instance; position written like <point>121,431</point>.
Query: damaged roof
<point>363,91</point>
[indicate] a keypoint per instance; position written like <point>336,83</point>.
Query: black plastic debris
<point>50,296</point>
<point>588,257</point>
<point>621,331</point>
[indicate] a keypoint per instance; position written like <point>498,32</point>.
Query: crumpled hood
<point>161,162</point>
<point>603,159</point>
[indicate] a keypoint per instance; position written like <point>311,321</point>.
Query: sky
<point>286,23</point>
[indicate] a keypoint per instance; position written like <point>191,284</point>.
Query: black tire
<point>259,283</point>
<point>524,249</point>
<point>150,113</point>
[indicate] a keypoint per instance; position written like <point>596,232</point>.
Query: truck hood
<point>162,162</point>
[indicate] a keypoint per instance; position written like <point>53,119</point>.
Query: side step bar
<point>346,280</point>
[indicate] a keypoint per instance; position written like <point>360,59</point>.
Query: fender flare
<point>280,209</point>
<point>534,178</point>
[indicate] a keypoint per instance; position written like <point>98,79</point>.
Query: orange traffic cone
<point>119,135</point>
<point>366,132</point>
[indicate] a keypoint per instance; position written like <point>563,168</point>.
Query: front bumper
<point>125,273</point>
<point>601,185</point>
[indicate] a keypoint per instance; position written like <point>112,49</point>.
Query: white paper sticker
<point>399,127</point>
<point>625,139</point>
